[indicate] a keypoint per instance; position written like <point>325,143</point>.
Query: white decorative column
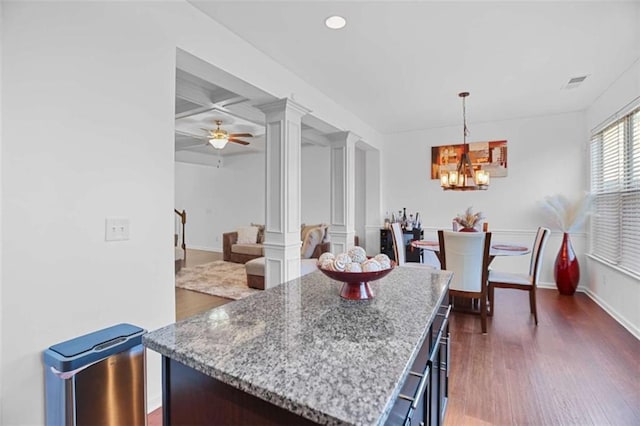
<point>373,211</point>
<point>343,184</point>
<point>282,216</point>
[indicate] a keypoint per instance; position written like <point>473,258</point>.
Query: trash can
<point>97,379</point>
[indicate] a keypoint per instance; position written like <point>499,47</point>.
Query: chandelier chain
<point>464,119</point>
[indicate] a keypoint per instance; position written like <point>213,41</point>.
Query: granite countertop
<point>302,347</point>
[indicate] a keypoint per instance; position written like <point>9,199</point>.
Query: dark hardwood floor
<point>189,303</point>
<point>577,367</point>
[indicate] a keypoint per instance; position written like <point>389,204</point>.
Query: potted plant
<point>469,220</point>
<point>566,216</point>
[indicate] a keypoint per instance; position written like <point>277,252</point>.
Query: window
<point>615,185</point>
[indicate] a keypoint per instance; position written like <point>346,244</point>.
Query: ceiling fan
<point>218,138</point>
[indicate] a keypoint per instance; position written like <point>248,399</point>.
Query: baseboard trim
<point>546,285</point>
<point>552,286</point>
<point>205,248</point>
<point>614,314</point>
<point>635,331</point>
<point>153,403</point>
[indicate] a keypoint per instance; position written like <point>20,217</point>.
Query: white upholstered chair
<point>399,249</point>
<point>398,244</point>
<point>527,282</point>
<point>466,254</point>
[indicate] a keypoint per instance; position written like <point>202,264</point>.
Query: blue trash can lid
<point>83,350</point>
<point>85,343</point>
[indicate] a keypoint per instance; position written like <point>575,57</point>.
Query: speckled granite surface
<point>302,347</point>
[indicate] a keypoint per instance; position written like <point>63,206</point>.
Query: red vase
<point>468,230</point>
<point>566,271</point>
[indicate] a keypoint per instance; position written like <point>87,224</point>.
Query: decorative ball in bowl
<point>355,270</point>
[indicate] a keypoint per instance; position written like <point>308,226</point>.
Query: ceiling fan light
<point>218,143</point>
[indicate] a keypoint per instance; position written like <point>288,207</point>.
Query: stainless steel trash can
<point>97,379</point>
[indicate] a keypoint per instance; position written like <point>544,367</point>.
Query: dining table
<point>496,249</point>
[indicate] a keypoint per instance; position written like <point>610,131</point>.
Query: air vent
<point>575,82</point>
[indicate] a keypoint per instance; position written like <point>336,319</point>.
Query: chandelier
<point>464,178</point>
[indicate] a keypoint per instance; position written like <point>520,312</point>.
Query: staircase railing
<point>183,221</point>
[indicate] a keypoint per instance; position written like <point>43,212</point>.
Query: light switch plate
<point>116,229</point>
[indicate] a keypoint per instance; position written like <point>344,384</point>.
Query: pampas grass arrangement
<point>564,214</point>
<point>469,219</point>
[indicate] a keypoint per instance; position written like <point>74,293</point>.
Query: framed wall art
<point>490,156</point>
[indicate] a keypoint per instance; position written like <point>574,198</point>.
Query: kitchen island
<point>300,354</point>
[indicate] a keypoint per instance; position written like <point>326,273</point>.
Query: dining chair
<point>466,254</point>
<point>519,281</point>
<point>399,250</point>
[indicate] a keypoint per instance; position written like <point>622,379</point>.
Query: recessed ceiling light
<point>335,22</point>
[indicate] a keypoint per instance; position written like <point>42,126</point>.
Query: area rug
<point>218,278</point>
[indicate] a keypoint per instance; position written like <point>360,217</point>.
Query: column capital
<point>281,105</point>
<point>345,138</point>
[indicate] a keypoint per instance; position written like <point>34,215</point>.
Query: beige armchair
<point>242,253</point>
<point>239,253</point>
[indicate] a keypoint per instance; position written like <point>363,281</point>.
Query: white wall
<point>622,92</point>
<point>219,200</point>
<point>315,188</point>
<point>615,291</point>
<point>87,133</point>
<point>1,240</point>
<point>545,156</point>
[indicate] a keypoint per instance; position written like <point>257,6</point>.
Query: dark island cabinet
<point>423,397</point>
<point>276,373</point>
<point>411,254</point>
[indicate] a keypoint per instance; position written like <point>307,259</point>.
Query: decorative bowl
<point>356,284</point>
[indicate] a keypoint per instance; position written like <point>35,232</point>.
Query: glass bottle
<point>418,224</point>
<point>404,217</point>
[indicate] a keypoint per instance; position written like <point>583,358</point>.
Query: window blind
<point>615,185</point>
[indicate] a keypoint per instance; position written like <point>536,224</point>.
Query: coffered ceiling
<point>200,103</point>
<point>399,65</point>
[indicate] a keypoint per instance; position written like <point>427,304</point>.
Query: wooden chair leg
<point>491,295</point>
<point>483,312</point>
<point>533,306</point>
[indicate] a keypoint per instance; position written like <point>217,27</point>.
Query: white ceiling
<point>400,65</point>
